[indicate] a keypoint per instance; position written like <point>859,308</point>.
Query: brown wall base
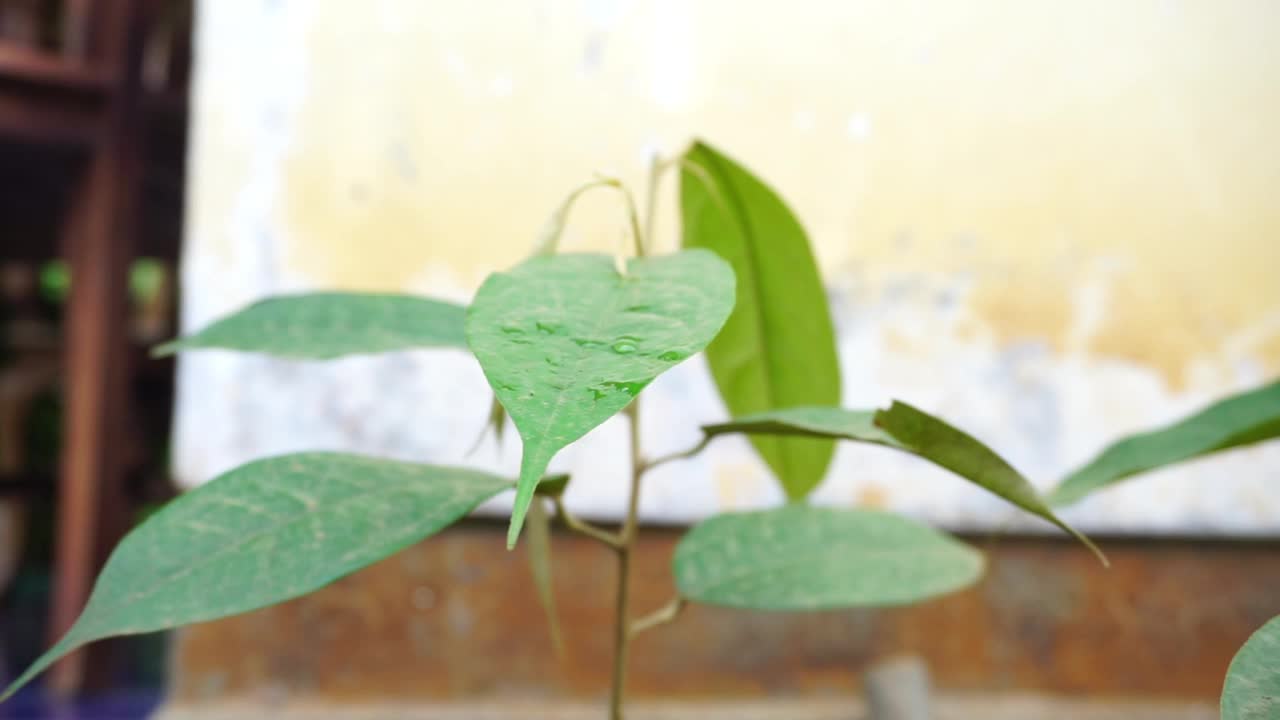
<point>456,618</point>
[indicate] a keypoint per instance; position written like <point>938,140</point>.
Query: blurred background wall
<point>1052,223</point>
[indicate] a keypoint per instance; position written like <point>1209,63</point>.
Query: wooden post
<point>98,244</point>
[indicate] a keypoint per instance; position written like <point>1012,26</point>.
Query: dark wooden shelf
<point>24,64</point>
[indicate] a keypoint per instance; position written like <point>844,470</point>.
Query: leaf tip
<point>513,532</point>
<point>1097,551</point>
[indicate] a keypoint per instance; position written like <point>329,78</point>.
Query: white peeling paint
<point>902,333</point>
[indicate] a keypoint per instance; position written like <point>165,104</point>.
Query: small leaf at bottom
<point>1252,688</point>
<point>801,557</point>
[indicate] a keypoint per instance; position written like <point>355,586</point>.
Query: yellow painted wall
<point>1096,180</point>
<point>1024,138</point>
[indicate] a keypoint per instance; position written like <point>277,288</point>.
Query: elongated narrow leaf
<point>801,557</point>
<point>1252,688</point>
<point>824,422</point>
<point>566,341</point>
<point>904,428</point>
<point>539,549</point>
<point>962,454</point>
<point>263,533</point>
<point>1241,419</point>
<point>778,349</point>
<point>325,325</point>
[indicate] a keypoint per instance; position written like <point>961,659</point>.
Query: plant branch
<point>550,237</point>
<point>657,164</point>
<point>583,527</point>
<point>661,616</point>
<point>681,455</point>
<point>633,216</point>
<point>622,609</point>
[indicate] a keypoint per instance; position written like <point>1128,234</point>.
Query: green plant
<point>566,341</point>
<point>1252,687</point>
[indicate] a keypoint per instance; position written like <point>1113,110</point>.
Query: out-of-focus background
<point>1051,223</point>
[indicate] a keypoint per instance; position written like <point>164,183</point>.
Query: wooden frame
<point>88,95</point>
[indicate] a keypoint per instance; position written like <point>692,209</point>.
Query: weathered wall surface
<point>437,622</point>
<point>1052,223</point>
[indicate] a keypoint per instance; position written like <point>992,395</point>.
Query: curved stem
<point>550,238</point>
<point>583,527</point>
<point>681,455</point>
<point>656,166</point>
<point>633,216</point>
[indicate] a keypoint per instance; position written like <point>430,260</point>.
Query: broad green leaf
<point>325,325</point>
<point>1242,419</point>
<point>1252,688</point>
<point>941,444</point>
<point>263,533</point>
<point>801,557</point>
<point>778,349</point>
<point>566,341</point>
<point>539,548</point>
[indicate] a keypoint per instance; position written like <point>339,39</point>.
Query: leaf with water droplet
<point>600,356</point>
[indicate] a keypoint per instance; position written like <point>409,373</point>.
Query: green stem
<point>622,608</point>
<point>633,215</point>
<point>656,166</point>
<point>681,455</point>
<point>585,528</point>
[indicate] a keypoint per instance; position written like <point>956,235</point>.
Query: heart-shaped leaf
<point>1252,688</point>
<point>778,348</point>
<point>1242,419</point>
<point>263,533</point>
<point>801,557</point>
<point>566,341</point>
<point>325,325</point>
<point>905,428</point>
